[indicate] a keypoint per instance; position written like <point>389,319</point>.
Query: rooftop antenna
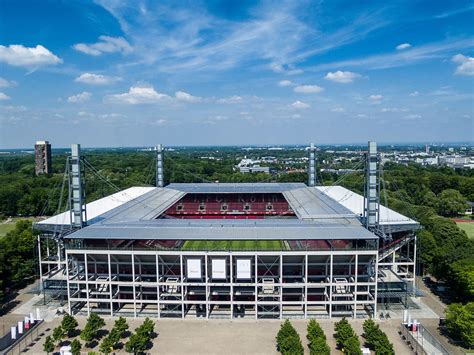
<point>76,188</point>
<point>159,166</point>
<point>371,188</point>
<point>312,165</point>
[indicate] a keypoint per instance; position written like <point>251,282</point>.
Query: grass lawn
<point>233,245</point>
<point>7,227</point>
<point>468,227</point>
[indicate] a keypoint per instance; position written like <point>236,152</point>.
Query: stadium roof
<point>323,213</point>
<point>97,208</point>
<point>355,203</point>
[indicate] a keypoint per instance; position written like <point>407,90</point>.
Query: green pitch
<point>234,245</point>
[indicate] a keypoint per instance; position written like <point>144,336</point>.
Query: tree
<point>376,339</point>
<point>76,347</point>
<point>58,334</point>
<point>88,334</point>
<point>344,331</point>
<point>288,339</point>
<point>314,330</point>
<point>48,345</point>
<point>95,321</point>
<point>451,203</point>
<point>69,324</point>
<point>93,325</point>
<point>319,347</point>
<point>121,325</point>
<point>352,346</point>
<point>316,339</point>
<point>460,322</point>
<point>136,343</point>
<point>107,345</point>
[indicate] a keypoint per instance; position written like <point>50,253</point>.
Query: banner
<point>244,268</point>
<point>194,268</point>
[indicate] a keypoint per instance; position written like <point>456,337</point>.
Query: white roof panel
<point>98,207</point>
<point>355,203</point>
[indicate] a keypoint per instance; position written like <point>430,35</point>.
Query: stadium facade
<point>225,250</point>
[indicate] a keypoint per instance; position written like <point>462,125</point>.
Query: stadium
<point>229,250</point>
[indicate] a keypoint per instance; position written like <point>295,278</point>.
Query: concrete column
<point>256,286</point>
<point>67,285</point>
<point>182,284</point>
<point>134,290</point>
<point>330,288</point>
<point>158,284</point>
<point>306,286</point>
<point>87,284</point>
<point>110,285</point>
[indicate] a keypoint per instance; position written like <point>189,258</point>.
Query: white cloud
<point>13,108</point>
<point>466,65</point>
<point>389,109</point>
<point>375,98</point>
<point>414,93</point>
<point>4,96</point>
<point>79,98</point>
<point>342,77</point>
<point>4,83</point>
<point>308,89</point>
<point>362,115</point>
<point>285,83</point>
<point>299,105</point>
<point>96,79</point>
<point>403,46</point>
<point>161,122</point>
<point>21,56</point>
<point>85,114</point>
<point>412,117</point>
<point>282,69</point>
<point>112,115</point>
<point>296,116</point>
<point>230,100</point>
<point>185,97</point>
<point>137,95</point>
<point>106,44</point>
<point>337,109</point>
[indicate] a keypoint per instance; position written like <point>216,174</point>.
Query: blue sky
<point>138,73</point>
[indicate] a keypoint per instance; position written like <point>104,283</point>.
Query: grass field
<point>468,227</point>
<point>10,225</point>
<point>234,245</point>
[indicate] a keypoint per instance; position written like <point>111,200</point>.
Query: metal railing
<point>422,341</point>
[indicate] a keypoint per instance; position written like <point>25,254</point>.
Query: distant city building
<point>251,166</point>
<point>43,158</point>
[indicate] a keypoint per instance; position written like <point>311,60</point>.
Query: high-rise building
<point>42,157</point>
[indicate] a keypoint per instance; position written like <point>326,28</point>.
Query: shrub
<point>48,345</point>
<point>344,331</point>
<point>288,340</point>
<point>58,334</point>
<point>376,339</point>
<point>69,324</point>
<point>316,339</point>
<point>460,322</point>
<point>93,325</point>
<point>76,347</point>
